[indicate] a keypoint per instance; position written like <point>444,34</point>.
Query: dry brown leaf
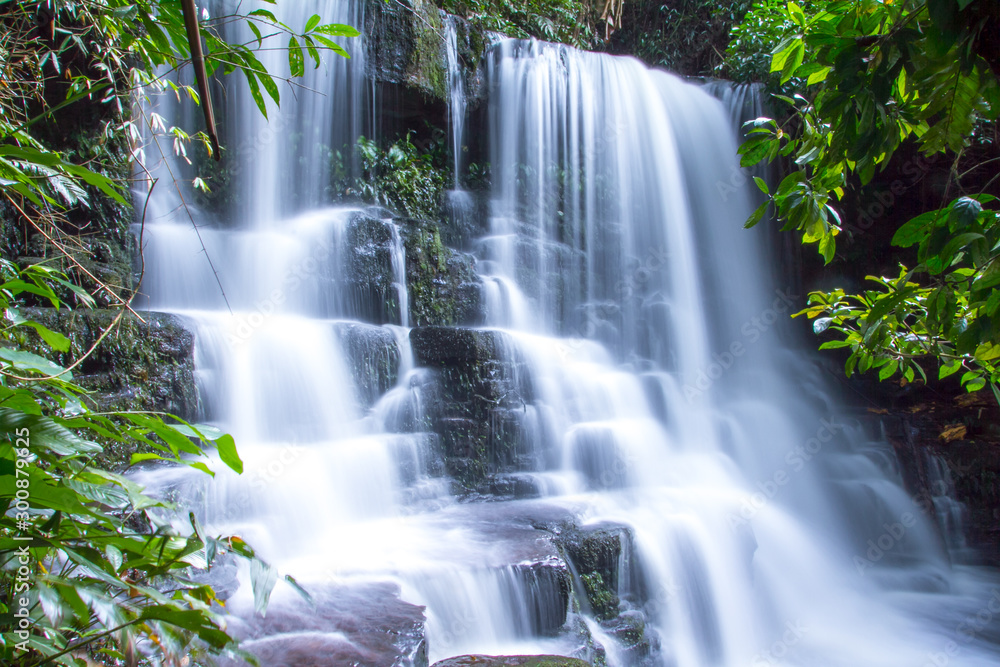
<point>966,400</point>
<point>953,432</point>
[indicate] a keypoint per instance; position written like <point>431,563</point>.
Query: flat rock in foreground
<point>361,626</point>
<point>512,661</point>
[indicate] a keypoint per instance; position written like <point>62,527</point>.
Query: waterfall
<point>637,325</point>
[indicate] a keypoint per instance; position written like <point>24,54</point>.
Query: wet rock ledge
<point>145,364</point>
<point>512,661</point>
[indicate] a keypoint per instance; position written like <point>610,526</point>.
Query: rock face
<point>366,271</point>
<point>141,366</point>
<point>478,400</point>
<point>443,285</point>
<point>512,661</point>
<point>950,446</point>
<point>362,626</point>
<point>373,357</point>
<point>406,47</point>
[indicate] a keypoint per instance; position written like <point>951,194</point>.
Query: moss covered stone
<point>478,399</point>
<point>595,552</point>
<point>443,285</point>
<point>142,365</point>
<point>406,45</point>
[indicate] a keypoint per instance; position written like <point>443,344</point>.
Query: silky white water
<point>664,398</point>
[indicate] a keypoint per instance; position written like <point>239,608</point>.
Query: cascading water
<point>638,323</point>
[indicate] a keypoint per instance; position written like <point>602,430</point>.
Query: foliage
<point>401,177</point>
<point>953,320</point>
<point>566,21</point>
<point>748,54</point>
<point>869,76</point>
<point>85,566</point>
<point>684,36</point>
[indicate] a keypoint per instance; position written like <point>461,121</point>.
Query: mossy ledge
<point>142,365</point>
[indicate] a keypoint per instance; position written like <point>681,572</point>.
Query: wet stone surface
<point>361,626</point>
<point>512,661</point>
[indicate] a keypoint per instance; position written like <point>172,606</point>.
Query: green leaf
<point>255,91</point>
<point>818,76</point>
<point>298,589</point>
<point>964,212</point>
<point>338,30</point>
<point>264,13</point>
<point>949,369</point>
<point>822,324</point>
<point>332,45</point>
<point>916,230</point>
<point>757,215</point>
<point>193,620</point>
<point>296,59</point>
<point>828,247</point>
<point>53,339</point>
<point>115,556</point>
<point>312,23</point>
<point>26,361</point>
<point>256,32</point>
<point>176,441</point>
<point>228,454</point>
<point>888,370</point>
<point>265,79</point>
<point>755,149</point>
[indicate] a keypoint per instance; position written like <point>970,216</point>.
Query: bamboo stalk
<point>198,60</point>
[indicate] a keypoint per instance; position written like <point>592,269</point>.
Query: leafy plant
<point>952,320</point>
<point>401,177</point>
<point>565,21</point>
<point>684,36</point>
<point>863,78</point>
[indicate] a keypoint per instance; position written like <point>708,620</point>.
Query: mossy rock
<point>512,661</point>
<point>406,46</point>
<point>444,288</point>
<point>481,391</point>
<point>142,365</point>
<point>595,552</point>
